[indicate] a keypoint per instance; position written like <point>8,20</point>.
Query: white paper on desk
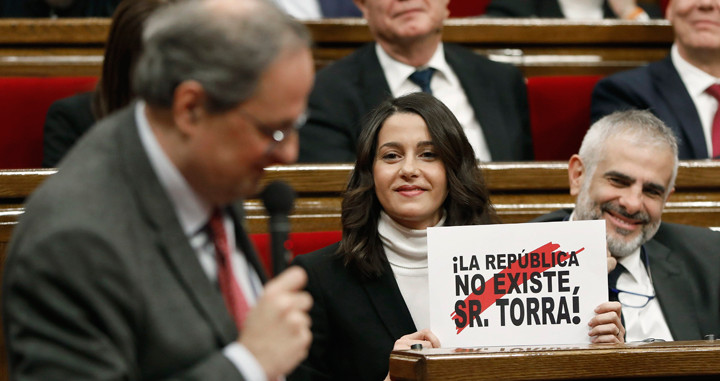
<point>553,306</point>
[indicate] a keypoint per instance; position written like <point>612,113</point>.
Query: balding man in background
<point>488,98</point>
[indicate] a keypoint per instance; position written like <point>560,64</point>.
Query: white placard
<point>516,284</point>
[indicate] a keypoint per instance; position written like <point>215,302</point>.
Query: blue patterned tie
<point>422,78</point>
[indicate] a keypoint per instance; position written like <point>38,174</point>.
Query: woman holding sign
<point>415,169</point>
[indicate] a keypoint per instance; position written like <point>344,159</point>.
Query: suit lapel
<point>670,87</point>
<point>481,98</point>
<point>158,211</point>
<point>385,296</point>
<point>373,84</point>
<point>670,280</point>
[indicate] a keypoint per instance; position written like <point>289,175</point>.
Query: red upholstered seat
<point>24,101</point>
<point>298,243</point>
<point>467,8</point>
<point>559,114</point>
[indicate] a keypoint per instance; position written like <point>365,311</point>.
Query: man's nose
<point>632,199</point>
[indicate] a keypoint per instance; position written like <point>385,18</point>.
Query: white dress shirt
<point>445,86</point>
<point>193,214</point>
<point>582,9</point>
<point>648,321</point>
<point>301,9</point>
<point>696,82</point>
<point>589,10</point>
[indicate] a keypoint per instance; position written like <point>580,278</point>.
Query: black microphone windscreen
<point>278,197</point>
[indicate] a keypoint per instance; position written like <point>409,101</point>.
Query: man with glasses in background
<point>665,275</point>
<point>132,263</point>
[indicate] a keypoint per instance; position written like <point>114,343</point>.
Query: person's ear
<point>188,106</point>
<point>576,174</point>
<point>361,4</point>
<point>667,196</point>
<point>669,13</point>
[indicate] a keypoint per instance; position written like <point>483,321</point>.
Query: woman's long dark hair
<point>467,202</point>
<point>122,51</point>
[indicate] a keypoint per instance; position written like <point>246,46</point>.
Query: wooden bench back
<point>520,192</point>
<point>74,47</point>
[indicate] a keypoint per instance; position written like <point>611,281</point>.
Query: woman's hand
<point>424,337</point>
<point>606,326</point>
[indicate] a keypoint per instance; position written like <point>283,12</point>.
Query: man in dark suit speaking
<point>131,263</point>
<point>684,88</point>
<point>488,98</point>
<point>666,274</point>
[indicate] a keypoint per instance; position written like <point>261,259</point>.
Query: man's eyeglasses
<point>632,299</point>
<point>278,135</point>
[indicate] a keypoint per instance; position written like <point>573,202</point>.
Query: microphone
<point>278,198</point>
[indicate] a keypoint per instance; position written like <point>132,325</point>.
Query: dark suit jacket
<point>40,8</point>
<point>548,9</point>
<point>684,262</point>
<point>101,283</point>
<point>350,88</point>
<point>355,321</point>
<point>67,120</point>
<point>658,88</point>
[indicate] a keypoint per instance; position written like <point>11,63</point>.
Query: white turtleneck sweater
<point>406,250</point>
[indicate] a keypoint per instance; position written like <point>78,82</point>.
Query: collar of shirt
<point>397,73</point>
<point>635,267</point>
<point>192,211</point>
<point>696,81</point>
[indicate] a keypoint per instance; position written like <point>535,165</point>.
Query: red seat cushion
<point>467,8</point>
<point>559,114</point>
<point>24,102</point>
<point>298,243</point>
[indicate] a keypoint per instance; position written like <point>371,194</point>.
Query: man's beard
<point>586,209</point>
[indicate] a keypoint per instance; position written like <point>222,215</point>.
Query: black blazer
<point>684,263</point>
<point>548,9</point>
<point>355,321</point>
<point>347,90</point>
<point>101,282</point>
<point>656,87</point>
<point>67,120</point>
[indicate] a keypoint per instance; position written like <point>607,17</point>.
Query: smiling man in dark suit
<point>131,263</point>
<point>488,98</point>
<point>682,89</point>
<point>666,275</point>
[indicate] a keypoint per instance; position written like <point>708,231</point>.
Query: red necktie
<point>714,90</point>
<point>233,295</point>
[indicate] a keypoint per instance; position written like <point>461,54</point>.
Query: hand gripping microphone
<point>278,198</point>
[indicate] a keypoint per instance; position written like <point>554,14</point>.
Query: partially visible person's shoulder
<point>632,76</point>
<point>347,67</point>
<point>557,215</point>
<point>670,231</point>
<point>322,258</point>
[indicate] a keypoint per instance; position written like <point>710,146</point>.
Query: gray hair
<point>641,126</point>
<point>224,45</point>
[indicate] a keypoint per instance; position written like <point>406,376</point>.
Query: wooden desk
<point>677,359</point>
<point>74,47</point>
